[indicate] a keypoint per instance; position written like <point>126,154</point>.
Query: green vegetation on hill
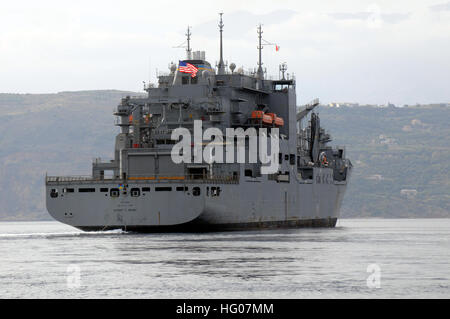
<point>392,149</point>
<point>400,158</point>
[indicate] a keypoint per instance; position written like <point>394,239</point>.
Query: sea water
<point>360,258</point>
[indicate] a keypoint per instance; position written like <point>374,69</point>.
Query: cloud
<point>365,51</point>
<point>441,7</point>
<point>367,15</point>
<point>242,22</point>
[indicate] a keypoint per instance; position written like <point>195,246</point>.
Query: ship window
<point>194,80</point>
<point>286,157</point>
<point>292,159</point>
<point>86,190</point>
<point>103,190</point>
<point>54,193</point>
<point>307,173</point>
<point>163,189</point>
<point>196,191</point>
<point>185,80</point>
<point>280,158</point>
<point>182,188</point>
<point>248,172</point>
<point>145,189</point>
<point>197,172</point>
<point>114,192</point>
<point>135,192</point>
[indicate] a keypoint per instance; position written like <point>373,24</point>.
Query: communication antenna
<point>149,69</point>
<point>283,68</point>
<point>187,44</point>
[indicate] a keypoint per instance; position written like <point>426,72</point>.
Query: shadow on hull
<point>197,227</point>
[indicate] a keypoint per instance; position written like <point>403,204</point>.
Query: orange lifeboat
<point>279,121</point>
<point>257,114</point>
<point>261,116</point>
<point>272,115</point>
<point>267,119</point>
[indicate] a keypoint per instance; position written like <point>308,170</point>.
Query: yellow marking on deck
<point>161,177</point>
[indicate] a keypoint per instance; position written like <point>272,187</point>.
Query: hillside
<point>399,154</point>
<point>394,149</point>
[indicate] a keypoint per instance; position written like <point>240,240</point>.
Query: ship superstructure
<point>144,189</point>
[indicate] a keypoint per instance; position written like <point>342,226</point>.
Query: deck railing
<point>188,179</point>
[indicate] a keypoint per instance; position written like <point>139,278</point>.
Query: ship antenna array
<point>283,69</point>
<point>261,44</point>
<point>187,44</point>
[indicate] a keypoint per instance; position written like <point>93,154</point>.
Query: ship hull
<point>202,227</point>
<point>250,203</point>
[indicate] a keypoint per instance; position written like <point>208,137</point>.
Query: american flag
<point>187,68</point>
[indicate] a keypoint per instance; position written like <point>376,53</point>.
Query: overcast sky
<point>345,51</point>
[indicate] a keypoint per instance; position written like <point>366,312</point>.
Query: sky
<point>373,52</point>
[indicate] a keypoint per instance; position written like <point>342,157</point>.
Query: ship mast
<point>260,72</point>
<point>221,66</point>
<point>261,44</point>
<point>188,49</point>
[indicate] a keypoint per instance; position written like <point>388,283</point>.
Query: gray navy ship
<point>144,189</point>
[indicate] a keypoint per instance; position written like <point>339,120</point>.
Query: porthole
<point>135,192</point>
<point>196,191</point>
<point>54,193</point>
<point>114,192</point>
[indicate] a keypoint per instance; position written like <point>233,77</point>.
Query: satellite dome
<point>232,67</point>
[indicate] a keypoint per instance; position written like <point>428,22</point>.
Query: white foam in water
<point>62,234</point>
